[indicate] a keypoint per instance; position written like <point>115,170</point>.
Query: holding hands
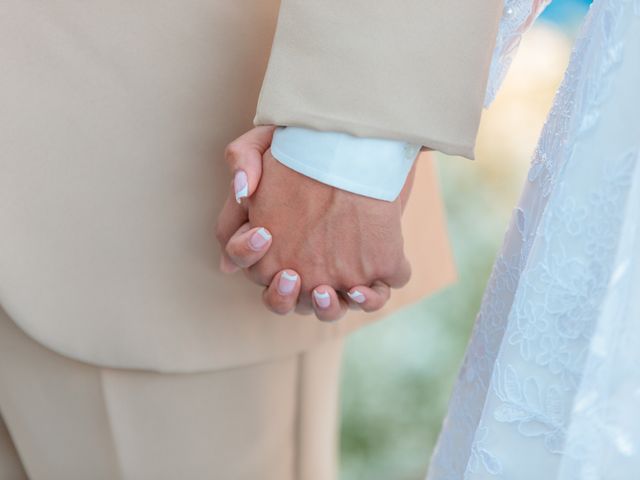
<point>314,247</point>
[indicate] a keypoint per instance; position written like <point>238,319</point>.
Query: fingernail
<point>323,299</point>
<point>241,185</point>
<point>357,296</point>
<point>259,239</point>
<point>287,283</point>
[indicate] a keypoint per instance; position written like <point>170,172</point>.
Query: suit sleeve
<point>409,70</point>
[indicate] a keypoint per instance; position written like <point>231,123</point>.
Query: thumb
<point>244,156</point>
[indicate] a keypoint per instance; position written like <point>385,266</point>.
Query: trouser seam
<point>297,424</point>
<point>117,458</point>
<point>13,442</point>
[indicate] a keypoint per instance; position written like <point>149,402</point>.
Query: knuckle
<point>219,234</point>
<point>232,152</point>
<point>278,304</point>
<point>234,250</point>
<point>407,273</point>
<point>394,267</point>
<point>404,272</point>
<point>388,268</point>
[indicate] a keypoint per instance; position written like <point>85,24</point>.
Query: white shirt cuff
<point>372,167</point>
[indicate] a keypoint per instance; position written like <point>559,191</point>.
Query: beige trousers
<point>67,420</point>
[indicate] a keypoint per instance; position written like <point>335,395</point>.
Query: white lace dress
<point>550,385</point>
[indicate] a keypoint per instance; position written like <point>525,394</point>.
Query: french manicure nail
<point>323,299</point>
<point>241,185</point>
<point>259,239</point>
<point>287,283</point>
<point>357,296</point>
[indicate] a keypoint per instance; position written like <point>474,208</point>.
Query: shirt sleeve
<point>372,167</point>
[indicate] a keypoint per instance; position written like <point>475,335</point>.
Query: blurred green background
<point>398,373</point>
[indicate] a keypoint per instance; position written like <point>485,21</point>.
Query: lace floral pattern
<point>517,17</point>
<point>521,408</point>
<point>604,433</point>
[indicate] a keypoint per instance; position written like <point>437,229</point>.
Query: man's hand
<point>336,240</point>
<point>348,249</point>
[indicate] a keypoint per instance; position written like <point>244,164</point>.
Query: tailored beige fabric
<point>73,421</point>
<point>10,465</point>
<point>412,70</point>
<point>113,119</point>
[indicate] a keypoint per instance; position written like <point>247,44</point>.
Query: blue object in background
<point>566,13</point>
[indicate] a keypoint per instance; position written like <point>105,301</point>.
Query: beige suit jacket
<point>113,118</point>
